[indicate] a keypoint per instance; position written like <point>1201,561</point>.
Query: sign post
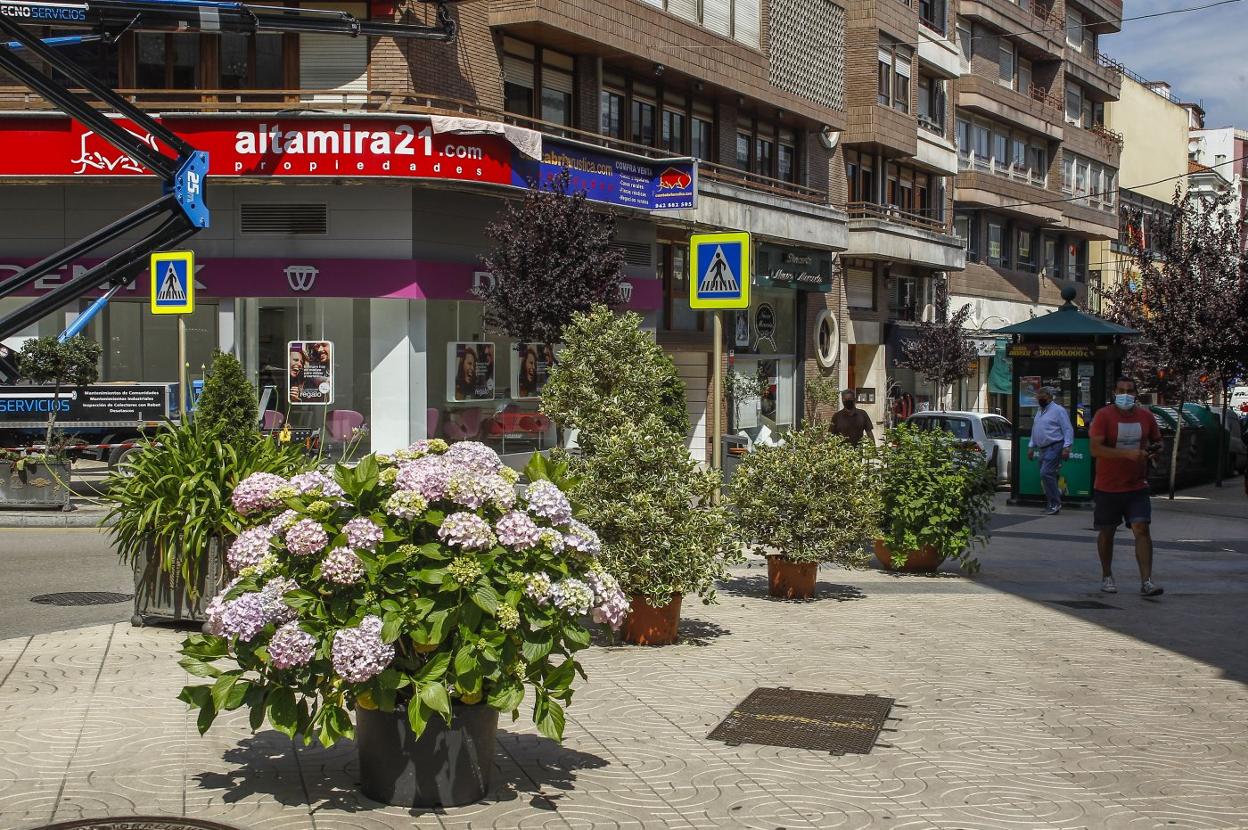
<point>173,292</point>
<point>719,278</point>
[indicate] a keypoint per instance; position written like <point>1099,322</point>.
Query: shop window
<point>673,270</point>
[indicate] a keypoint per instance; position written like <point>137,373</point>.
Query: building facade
<point>1225,152</point>
<point>353,181</point>
<point>1038,164</point>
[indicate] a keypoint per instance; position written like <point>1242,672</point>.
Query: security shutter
<point>518,71</point>
<point>717,16</point>
<point>333,64</point>
<point>859,288</point>
<point>746,22</point>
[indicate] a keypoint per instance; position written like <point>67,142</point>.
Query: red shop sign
<point>270,146</point>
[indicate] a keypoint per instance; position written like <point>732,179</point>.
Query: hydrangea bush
<point>413,581</point>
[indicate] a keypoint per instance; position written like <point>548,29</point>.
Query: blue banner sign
<point>628,181</point>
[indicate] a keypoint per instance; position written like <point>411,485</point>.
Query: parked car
<point>991,433</point>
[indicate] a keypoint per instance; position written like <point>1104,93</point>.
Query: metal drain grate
<point>137,823</point>
<point>71,598</point>
<point>1085,604</point>
<point>806,720</point>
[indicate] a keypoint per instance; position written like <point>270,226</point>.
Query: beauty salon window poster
<point>530,369</point>
<point>310,372</point>
<point>470,371</point>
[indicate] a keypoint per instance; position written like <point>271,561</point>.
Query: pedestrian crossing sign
<point>173,282</point>
<point>719,270</point>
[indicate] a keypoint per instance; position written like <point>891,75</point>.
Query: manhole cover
<point>68,598</point>
<point>137,823</point>
<point>806,720</point>
<point>1088,604</point>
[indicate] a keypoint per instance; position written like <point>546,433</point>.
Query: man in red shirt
<point>1122,438</point>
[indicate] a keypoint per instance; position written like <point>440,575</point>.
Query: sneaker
<point>1108,586</point>
<point>1053,511</point>
<point>1148,589</point>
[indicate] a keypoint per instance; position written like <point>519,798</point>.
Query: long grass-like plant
<point>174,494</point>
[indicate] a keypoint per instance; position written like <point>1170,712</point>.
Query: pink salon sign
<point>362,278</point>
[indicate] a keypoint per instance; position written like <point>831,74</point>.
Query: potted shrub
<point>41,478</point>
<point>171,515</point>
<point>937,500</point>
<point>420,590</point>
<point>813,499</point>
<point>661,537</point>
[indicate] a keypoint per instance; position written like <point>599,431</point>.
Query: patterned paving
<point>1013,713</point>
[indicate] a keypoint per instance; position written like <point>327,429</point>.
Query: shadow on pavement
<point>1199,558</point>
<point>756,587</point>
<point>526,766</point>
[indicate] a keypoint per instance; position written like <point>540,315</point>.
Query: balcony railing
<point>933,124</point>
<point>1110,137</point>
<point>318,102</point>
<point>892,213</point>
<point>1051,102</point>
<point>980,164</point>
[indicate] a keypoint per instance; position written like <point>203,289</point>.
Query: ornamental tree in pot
<point>661,536</point>
<point>937,500</point>
<point>417,589</point>
<point>813,499</point>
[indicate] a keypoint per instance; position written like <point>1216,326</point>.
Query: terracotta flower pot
<point>791,580</point>
<point>924,560</point>
<point>650,626</point>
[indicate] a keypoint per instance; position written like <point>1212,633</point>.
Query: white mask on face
<point>1124,400</point>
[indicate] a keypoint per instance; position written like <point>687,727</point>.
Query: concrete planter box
<point>162,597</point>
<point>37,484</point>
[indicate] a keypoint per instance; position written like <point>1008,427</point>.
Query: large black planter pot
<point>445,767</point>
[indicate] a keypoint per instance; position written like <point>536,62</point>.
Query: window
<point>765,154</point>
<point>965,41</point>
<point>1005,66</point>
<point>673,131</point>
<point>166,61</point>
<point>786,161</point>
<point>884,78</point>
<point>557,87</point>
<point>962,230</point>
<point>611,113</point>
<point>1000,151</point>
<point>893,77</point>
<point>700,142</point>
<point>1025,261</point>
<point>931,101</point>
<point>252,61</point>
<point>1076,259</point>
<point>1024,76</point>
<point>519,72</point>
<point>859,288</point>
<point>964,138</point>
<point>1051,266</point>
<point>996,243</point>
<point>1038,163</point>
<point>932,14</point>
<point>743,151</point>
<point>523,65</point>
<point>860,173</point>
<point>1074,103</point>
<point>1074,29</point>
<point>981,136</point>
<point>643,114</point>
<point>901,82</point>
<point>1018,156</point>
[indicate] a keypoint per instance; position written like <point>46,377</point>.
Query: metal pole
<point>183,405</point>
<point>716,427</point>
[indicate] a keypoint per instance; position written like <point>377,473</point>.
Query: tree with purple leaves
<point>1187,296</point>
<point>553,257</point>
<point>941,350</point>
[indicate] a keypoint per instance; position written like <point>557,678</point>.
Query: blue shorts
<point>1113,509</point>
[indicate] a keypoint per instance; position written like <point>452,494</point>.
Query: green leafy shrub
<point>651,505</point>
<point>814,498</point>
<point>228,406</point>
<point>936,492</point>
<point>609,372</point>
<point>417,581</point>
<point>174,493</point>
<point>72,363</point>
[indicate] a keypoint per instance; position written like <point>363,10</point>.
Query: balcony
<point>939,54</point>
<point>1106,15</point>
<point>971,162</point>
<point>1095,72</point>
<point>1097,142</point>
<point>887,232</point>
<point>1036,111</point>
<point>298,102</point>
<point>1016,195</point>
<point>1042,29</point>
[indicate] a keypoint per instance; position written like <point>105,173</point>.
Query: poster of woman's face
<point>470,369</point>
<point>310,372</point>
<point>530,368</point>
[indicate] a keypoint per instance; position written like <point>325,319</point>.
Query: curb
<point>52,518</point>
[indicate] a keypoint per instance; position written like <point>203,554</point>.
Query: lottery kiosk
<point>1080,356</point>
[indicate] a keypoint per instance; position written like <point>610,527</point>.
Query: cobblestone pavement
<point>1015,712</point>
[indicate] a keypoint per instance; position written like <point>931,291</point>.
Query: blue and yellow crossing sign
<point>173,282</point>
<point>719,270</point>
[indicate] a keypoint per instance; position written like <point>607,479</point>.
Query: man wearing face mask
<point>1051,438</point>
<point>1123,437</point>
<point>851,423</point>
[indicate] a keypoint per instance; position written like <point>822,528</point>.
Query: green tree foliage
<point>814,498</point>
<point>941,351</point>
<point>650,503</point>
<point>610,372</point>
<point>72,363</point>
<point>227,405</point>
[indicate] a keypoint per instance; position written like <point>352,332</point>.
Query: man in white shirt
<point>1051,438</point>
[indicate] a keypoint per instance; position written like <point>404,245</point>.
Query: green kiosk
<point>1080,356</point>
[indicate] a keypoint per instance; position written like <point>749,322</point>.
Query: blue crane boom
<point>182,209</point>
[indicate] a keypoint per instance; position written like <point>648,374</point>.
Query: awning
<point>1001,377</point>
